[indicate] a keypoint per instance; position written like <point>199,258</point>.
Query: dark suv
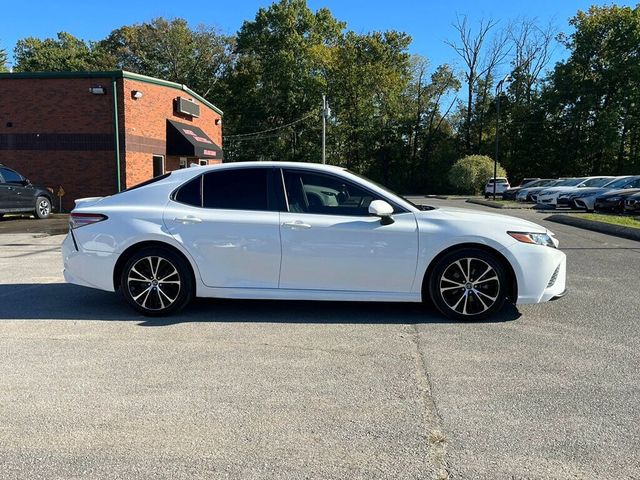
<point>17,195</point>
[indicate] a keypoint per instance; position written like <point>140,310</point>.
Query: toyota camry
<point>296,231</point>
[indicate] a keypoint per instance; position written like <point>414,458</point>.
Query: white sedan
<point>559,195</point>
<point>296,231</point>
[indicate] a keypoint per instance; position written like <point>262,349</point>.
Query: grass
<point>626,221</point>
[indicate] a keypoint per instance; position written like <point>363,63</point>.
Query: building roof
<point>113,74</point>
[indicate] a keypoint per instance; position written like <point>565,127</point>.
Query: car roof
<point>270,164</point>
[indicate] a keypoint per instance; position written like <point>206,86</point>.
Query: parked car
<point>549,197</point>
<point>613,201</point>
<point>18,195</point>
<point>502,184</point>
<point>272,230</point>
<point>529,193</point>
<point>511,193</point>
<point>632,203</point>
<point>586,197</point>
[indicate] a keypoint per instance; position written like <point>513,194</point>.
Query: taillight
<point>77,220</point>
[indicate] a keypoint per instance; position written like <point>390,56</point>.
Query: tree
<point>481,55</point>
<point>470,174</point>
<point>592,98</point>
<point>3,60</point>
<point>65,53</point>
<point>278,82</point>
<point>171,50</point>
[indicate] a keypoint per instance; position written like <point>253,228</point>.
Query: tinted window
<point>325,194</point>
<point>238,189</point>
<point>190,192</point>
<point>10,176</point>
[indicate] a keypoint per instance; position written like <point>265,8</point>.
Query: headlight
<point>534,238</point>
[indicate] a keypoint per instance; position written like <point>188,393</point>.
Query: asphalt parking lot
<point>238,389</point>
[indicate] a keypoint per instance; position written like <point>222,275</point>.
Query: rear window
<point>498,180</point>
<point>191,192</point>
<point>144,184</point>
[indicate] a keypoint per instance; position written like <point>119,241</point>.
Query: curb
<point>489,203</point>
<point>602,227</point>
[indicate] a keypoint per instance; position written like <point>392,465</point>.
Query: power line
<point>241,135</point>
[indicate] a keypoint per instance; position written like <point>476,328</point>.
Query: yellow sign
<point>60,191</point>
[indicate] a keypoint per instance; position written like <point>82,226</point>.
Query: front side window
<point>10,176</point>
<point>325,194</point>
<point>237,189</point>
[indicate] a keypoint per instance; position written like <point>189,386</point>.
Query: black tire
<point>43,207</point>
<point>462,284</point>
<point>161,284</point>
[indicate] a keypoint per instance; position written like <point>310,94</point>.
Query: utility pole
<point>326,112</point>
<point>495,160</point>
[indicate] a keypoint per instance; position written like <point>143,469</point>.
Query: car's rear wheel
<point>155,281</point>
<point>468,284</point>
<point>43,207</point>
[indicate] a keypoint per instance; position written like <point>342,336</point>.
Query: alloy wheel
<point>154,283</point>
<point>44,207</point>
<point>469,286</point>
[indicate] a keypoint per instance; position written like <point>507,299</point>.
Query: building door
<point>158,165</point>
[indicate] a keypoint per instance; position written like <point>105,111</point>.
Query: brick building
<point>95,133</point>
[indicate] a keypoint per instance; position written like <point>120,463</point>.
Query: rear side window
<point>191,192</point>
<point>237,189</point>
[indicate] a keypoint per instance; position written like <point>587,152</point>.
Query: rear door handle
<point>188,219</point>
<point>297,224</point>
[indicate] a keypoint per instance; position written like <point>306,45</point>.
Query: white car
<point>296,231</point>
<point>559,195</point>
<point>502,185</point>
<point>586,197</point>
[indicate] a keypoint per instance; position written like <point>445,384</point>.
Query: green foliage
<point>171,50</point>
<point>3,60</point>
<point>394,117</point>
<point>66,53</point>
<point>470,174</point>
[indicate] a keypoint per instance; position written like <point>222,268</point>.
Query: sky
<point>428,21</point>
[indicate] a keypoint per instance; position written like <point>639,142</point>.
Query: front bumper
<point>541,272</point>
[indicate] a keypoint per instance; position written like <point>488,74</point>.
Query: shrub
<point>470,174</point>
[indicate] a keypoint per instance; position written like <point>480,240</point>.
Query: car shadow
<point>62,301</point>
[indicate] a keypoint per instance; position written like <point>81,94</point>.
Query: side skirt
<point>320,295</point>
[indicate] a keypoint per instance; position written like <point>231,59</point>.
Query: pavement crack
<point>437,442</point>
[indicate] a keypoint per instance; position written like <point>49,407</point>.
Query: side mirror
<point>382,209</point>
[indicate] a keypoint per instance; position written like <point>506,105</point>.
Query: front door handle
<point>297,224</point>
<point>188,219</point>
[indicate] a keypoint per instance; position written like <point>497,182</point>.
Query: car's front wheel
<point>43,207</point>
<point>156,281</point>
<point>468,284</point>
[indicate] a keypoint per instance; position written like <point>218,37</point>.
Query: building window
<point>158,165</point>
<point>204,162</point>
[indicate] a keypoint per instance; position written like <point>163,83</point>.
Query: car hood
<point>624,192</point>
<point>591,190</point>
<point>477,221</point>
<point>552,190</point>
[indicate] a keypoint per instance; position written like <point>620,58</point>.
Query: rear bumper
<point>82,265</point>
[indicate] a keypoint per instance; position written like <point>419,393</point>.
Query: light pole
<point>326,112</point>
<point>495,159</point>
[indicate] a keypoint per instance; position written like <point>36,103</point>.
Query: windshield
<point>498,180</point>
<point>618,182</point>
<point>540,183</point>
<point>419,207</point>
<point>596,182</point>
<point>569,182</point>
